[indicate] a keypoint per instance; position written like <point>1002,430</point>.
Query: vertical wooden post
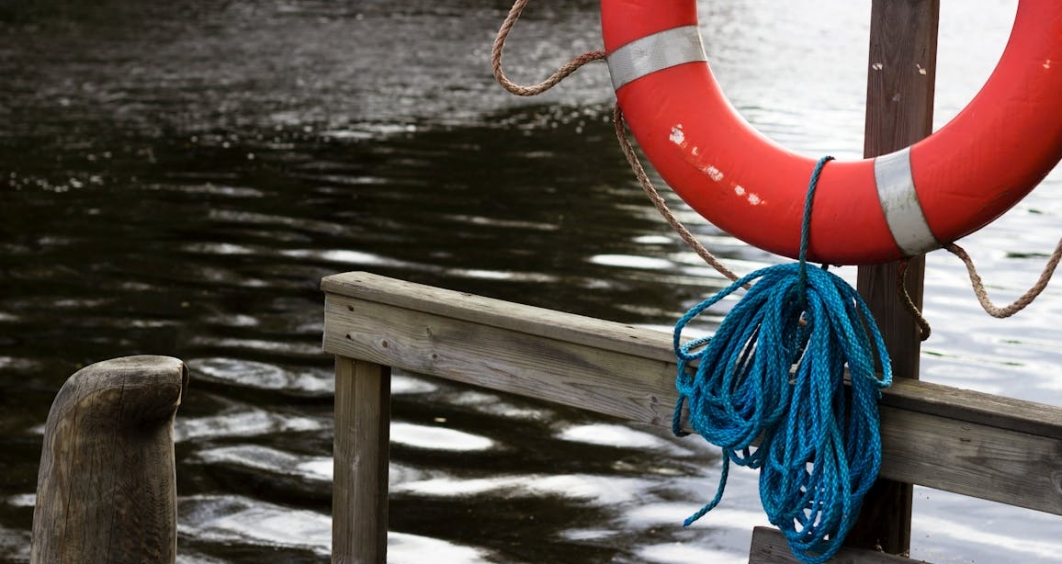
<point>900,87</point>
<point>360,459</point>
<point>107,485</point>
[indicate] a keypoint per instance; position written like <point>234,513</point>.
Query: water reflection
<point>261,375</point>
<point>250,423</point>
<point>437,438</point>
<point>236,521</point>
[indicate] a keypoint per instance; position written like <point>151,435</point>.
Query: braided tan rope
<point>632,157</point>
<point>924,330</point>
<point>1022,301</point>
<point>658,201</point>
<point>561,73</point>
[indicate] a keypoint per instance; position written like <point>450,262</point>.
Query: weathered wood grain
<point>975,407</point>
<point>360,459</point>
<point>106,491</point>
<point>602,380</point>
<point>941,437</point>
<point>769,547</point>
<point>977,460</point>
<point>901,75</point>
<point>535,321</point>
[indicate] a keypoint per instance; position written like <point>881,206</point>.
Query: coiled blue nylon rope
<point>774,372</point>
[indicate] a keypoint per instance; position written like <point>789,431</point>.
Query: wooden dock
<point>975,444</point>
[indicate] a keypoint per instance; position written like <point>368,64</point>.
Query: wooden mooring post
<point>107,488</point>
<point>900,87</point>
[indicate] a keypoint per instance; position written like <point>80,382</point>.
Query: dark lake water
<point>176,178</point>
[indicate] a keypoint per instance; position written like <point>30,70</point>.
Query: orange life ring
<point>869,211</point>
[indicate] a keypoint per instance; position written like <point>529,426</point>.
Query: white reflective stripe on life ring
<point>654,53</point>
<point>899,201</point>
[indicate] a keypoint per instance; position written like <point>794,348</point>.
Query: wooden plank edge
<point>541,322</point>
<point>769,546</point>
<point>976,407</point>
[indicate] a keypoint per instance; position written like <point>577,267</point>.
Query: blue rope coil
<point>774,373</point>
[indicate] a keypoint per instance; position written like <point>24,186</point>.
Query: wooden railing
<point>960,441</point>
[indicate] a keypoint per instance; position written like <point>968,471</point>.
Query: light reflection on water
<point>177,179</point>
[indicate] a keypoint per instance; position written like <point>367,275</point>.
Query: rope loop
<point>1024,300</point>
<point>560,74</point>
<point>774,372</point>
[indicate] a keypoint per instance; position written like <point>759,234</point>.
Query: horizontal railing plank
<point>588,377</point>
<point>978,460</point>
<point>966,442</point>
<point>979,407</point>
<point>529,320</point>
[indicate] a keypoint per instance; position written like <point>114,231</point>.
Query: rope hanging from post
<point>774,372</point>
